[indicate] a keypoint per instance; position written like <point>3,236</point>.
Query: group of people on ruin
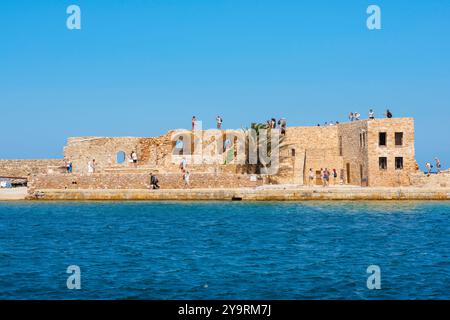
<point>331,123</point>
<point>355,116</point>
<point>325,176</point>
<point>282,123</point>
<point>194,124</point>
<point>429,166</point>
<point>271,123</point>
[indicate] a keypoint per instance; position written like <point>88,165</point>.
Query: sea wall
<point>247,194</point>
<point>421,179</point>
<point>24,168</point>
<point>139,181</point>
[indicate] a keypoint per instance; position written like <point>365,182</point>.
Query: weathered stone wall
<point>353,146</point>
<point>391,177</point>
<point>309,147</point>
<point>23,168</point>
<point>350,148</point>
<point>248,194</point>
<point>420,179</point>
<point>138,181</point>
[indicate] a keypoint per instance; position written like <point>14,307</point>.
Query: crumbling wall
<point>139,181</point>
<point>420,179</point>
<point>350,148</point>
<point>23,168</point>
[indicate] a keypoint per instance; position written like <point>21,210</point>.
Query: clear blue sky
<point>139,68</point>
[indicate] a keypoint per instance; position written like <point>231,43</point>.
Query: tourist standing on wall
<point>388,114</point>
<point>356,115</point>
<point>334,176</point>
<point>351,116</point>
<point>134,157</point>
<point>438,165</point>
<point>91,166</point>
<point>371,114</point>
<point>282,124</point>
<point>326,177</point>
<point>194,122</point>
<point>428,166</point>
<point>154,182</point>
<point>311,176</point>
<point>183,165</point>
<point>219,122</point>
<point>186,177</point>
<point>68,166</point>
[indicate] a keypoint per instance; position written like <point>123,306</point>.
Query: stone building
<point>363,153</point>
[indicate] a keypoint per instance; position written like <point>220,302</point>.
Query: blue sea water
<point>225,250</point>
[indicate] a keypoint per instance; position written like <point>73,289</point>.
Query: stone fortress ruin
<point>364,153</point>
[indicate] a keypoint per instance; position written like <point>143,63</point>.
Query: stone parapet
<point>247,194</point>
<point>139,181</point>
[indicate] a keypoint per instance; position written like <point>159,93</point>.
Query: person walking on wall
<point>154,182</point>
<point>351,116</point>
<point>91,166</point>
<point>334,176</point>
<point>68,166</point>
<point>311,177</point>
<point>388,114</point>
<point>186,177</point>
<point>183,165</point>
<point>219,122</point>
<point>438,165</point>
<point>371,115</point>
<point>282,124</point>
<point>326,177</point>
<point>134,158</point>
<point>428,166</point>
<point>194,123</point>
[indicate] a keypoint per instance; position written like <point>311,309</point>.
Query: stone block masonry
<point>373,153</point>
<point>24,168</point>
<point>138,181</point>
<point>246,194</point>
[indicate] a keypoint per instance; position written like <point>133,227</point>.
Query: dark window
<point>399,138</point>
<point>382,139</point>
<point>293,152</point>
<point>398,163</point>
<point>340,145</point>
<point>383,163</point>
